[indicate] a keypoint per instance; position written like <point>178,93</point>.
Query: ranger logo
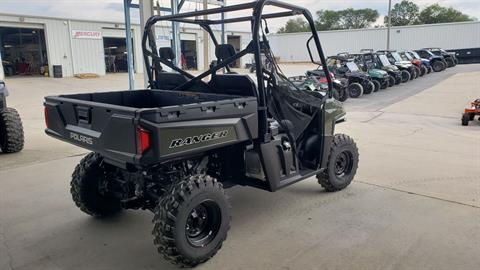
<point>198,139</point>
<point>81,138</point>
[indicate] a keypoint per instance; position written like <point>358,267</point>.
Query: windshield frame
<point>396,56</point>
<point>352,66</point>
<point>416,55</point>
<point>384,60</point>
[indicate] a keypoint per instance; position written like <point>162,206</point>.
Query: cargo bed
<point>108,123</point>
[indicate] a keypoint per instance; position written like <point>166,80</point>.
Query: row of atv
<point>358,74</point>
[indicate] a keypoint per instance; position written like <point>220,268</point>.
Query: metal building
<point>450,36</point>
<point>36,45</point>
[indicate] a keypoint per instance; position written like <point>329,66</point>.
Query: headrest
<point>166,53</point>
<point>224,51</point>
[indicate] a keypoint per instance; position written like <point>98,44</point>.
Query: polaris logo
<point>198,139</point>
<point>81,138</point>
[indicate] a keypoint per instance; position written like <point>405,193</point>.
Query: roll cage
<point>258,44</point>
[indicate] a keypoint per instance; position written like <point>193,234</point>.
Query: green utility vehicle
<point>173,148</point>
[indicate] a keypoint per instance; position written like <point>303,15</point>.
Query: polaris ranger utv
<point>359,83</point>
<point>366,62</point>
<point>173,148</point>
<point>404,66</point>
<point>450,57</point>
<point>422,69</point>
<point>11,128</point>
<point>438,62</point>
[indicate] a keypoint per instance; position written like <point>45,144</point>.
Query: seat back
<point>234,84</point>
<point>224,51</point>
<point>170,80</point>
<point>166,53</point>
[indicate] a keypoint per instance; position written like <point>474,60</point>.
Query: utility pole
<point>206,40</point>
<point>389,23</point>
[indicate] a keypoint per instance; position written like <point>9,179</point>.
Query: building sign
<point>80,34</point>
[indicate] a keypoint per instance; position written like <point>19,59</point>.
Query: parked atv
<point>421,69</point>
<point>450,57</point>
<point>399,75</point>
<point>359,83</point>
<point>11,128</point>
<point>315,80</point>
<point>173,149</point>
<point>366,62</point>
<point>395,59</point>
<point>425,62</point>
<point>438,62</point>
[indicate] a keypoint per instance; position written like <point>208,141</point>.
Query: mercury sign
<point>86,34</point>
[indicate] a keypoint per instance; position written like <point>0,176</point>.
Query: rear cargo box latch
<point>83,115</point>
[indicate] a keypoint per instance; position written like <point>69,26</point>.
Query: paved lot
<point>415,203</point>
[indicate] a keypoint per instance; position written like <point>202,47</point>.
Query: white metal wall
<point>291,47</point>
<point>87,55</point>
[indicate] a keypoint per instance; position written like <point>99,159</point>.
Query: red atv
<point>470,113</point>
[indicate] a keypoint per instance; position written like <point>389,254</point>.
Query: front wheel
<point>377,84</point>
<point>450,62</point>
<point>191,221</point>
<point>342,164</point>
<point>417,72</point>
<point>423,71</point>
<point>342,94</point>
<point>355,90</point>
<point>391,81</point>
<point>438,66</point>
<point>465,119</point>
<point>405,76</point>
<point>369,88</point>
<point>89,187</point>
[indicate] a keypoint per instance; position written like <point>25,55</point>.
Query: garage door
<point>115,33</point>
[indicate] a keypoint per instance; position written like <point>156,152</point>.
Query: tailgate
<point>103,128</point>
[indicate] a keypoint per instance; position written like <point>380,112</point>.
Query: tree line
<point>403,13</point>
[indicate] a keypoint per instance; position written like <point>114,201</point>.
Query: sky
<point>112,10</point>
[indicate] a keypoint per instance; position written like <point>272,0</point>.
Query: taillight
<point>45,113</point>
<point>143,140</point>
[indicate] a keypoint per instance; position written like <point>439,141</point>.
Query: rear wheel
<point>11,131</point>
<point>438,66</point>
<point>369,88</point>
<point>405,76</point>
<point>430,69</point>
<point>377,84</point>
<point>342,164</point>
<point>88,187</point>
<point>465,119</point>
<point>191,221</point>
<point>355,90</point>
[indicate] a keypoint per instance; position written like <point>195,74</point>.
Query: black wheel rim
<point>203,223</point>
<point>343,163</point>
<point>354,90</point>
